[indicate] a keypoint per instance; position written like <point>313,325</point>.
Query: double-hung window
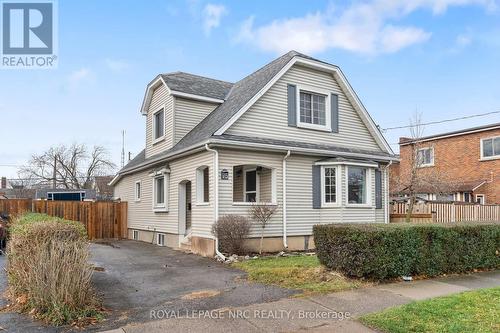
<point>160,192</point>
<point>425,157</point>
<point>250,186</point>
<point>490,148</point>
<point>158,125</point>
<point>357,185</point>
<point>138,191</point>
<point>314,109</point>
<point>202,185</point>
<point>330,181</point>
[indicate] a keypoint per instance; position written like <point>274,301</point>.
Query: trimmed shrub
<point>382,251</point>
<point>231,230</point>
<point>48,269</point>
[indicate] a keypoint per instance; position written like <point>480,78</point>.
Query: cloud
<point>79,75</point>
<point>364,27</point>
<point>212,15</point>
<point>463,40</point>
<point>117,65</point>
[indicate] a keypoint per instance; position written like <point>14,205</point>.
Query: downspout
<point>386,186</point>
<point>285,244</point>
<point>216,200</point>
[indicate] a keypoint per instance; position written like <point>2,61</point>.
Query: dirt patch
<point>201,294</point>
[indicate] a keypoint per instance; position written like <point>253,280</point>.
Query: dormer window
<point>158,125</point>
<point>313,111</point>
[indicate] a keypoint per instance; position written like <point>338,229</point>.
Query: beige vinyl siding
<point>141,215</point>
<point>230,158</point>
<point>159,99</point>
<point>268,117</point>
<point>188,113</point>
<point>265,185</point>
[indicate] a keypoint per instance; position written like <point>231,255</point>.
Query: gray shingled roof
<point>299,144</point>
<point>236,96</point>
<point>241,92</point>
<point>197,85</point>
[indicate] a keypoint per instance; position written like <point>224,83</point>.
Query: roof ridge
<point>204,77</point>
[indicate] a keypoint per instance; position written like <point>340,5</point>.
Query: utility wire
<point>441,121</point>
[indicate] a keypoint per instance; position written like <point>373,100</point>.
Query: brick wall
<point>456,158</point>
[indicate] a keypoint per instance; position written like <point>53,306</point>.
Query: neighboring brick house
<point>467,161</point>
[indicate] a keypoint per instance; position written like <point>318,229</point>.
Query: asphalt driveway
<point>138,278</point>
<point>135,278</point>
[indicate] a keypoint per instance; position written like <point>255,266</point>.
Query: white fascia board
<point>196,97</point>
<point>149,93</point>
<point>369,165</point>
<point>365,116</point>
<point>438,137</point>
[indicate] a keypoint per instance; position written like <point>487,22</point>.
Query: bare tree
<point>262,213</point>
<point>70,167</point>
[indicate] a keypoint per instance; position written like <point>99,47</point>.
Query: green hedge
<point>382,251</point>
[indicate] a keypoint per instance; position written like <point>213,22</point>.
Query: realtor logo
<point>28,34</point>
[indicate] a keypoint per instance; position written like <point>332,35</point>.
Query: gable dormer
<point>174,104</point>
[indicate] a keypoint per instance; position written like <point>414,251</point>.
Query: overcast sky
<point>440,57</point>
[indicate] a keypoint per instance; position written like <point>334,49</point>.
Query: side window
<point>159,124</point>
<point>425,157</point>
<point>202,185</point>
<point>329,185</point>
<point>138,190</point>
<point>357,185</point>
<point>160,192</point>
<point>490,148</point>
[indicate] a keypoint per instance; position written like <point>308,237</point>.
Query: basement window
<point>135,235</point>
<point>160,239</point>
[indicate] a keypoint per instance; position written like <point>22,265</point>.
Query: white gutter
<point>285,244</point>
<point>386,186</point>
<point>216,200</point>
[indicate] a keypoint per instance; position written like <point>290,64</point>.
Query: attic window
<point>158,124</point>
<point>313,111</point>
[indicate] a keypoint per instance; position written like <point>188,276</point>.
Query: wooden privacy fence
<point>449,212</point>
<point>102,219</point>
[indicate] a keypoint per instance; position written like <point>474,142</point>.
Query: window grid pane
<point>312,109</point>
<point>488,148</point>
<point>330,188</point>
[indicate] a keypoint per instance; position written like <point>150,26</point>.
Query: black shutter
<point>316,186</point>
<point>292,105</point>
<point>378,189</point>
<point>334,105</point>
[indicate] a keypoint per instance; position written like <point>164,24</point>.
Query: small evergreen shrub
<point>383,251</point>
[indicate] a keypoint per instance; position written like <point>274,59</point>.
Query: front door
<point>185,207</point>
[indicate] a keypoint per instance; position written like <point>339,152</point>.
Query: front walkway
<point>314,314</point>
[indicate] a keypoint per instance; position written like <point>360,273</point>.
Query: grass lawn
<point>296,272</point>
<point>472,311</point>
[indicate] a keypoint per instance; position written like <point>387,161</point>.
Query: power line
<point>441,121</point>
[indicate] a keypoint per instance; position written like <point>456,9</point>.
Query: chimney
<point>4,182</point>
<point>404,140</point>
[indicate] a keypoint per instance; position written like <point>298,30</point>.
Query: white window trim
<point>200,186</point>
<point>488,158</point>
<point>165,173</point>
<point>482,196</point>
<point>137,198</point>
<point>369,195</point>
<point>431,164</point>
<point>161,138</point>
<point>158,236</point>
<point>338,194</point>
<point>328,115</point>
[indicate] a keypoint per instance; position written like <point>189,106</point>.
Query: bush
<point>382,251</point>
<point>48,269</point>
<point>231,230</point>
